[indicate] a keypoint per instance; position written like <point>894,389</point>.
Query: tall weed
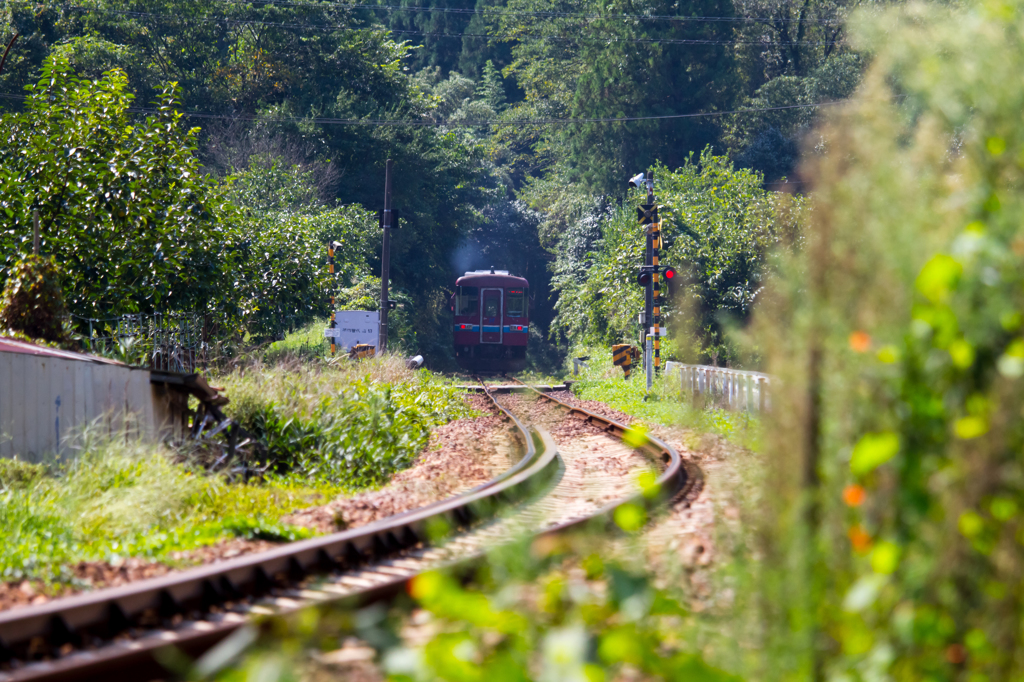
<point>122,497</point>
<point>892,538</point>
<point>348,423</point>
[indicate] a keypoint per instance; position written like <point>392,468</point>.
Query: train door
<point>490,315</point>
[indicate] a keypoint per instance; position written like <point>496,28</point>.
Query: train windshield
<point>515,302</point>
<point>466,300</point>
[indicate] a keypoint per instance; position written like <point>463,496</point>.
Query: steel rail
<point>27,632</point>
<point>677,482</point>
<point>139,659</point>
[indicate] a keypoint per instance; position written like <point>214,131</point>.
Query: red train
<point>492,321</point>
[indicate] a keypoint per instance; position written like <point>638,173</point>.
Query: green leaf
<point>873,450</point>
<point>939,277</point>
<point>970,427</point>
<point>885,558</point>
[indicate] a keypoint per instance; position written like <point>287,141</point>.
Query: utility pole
<point>334,313</point>
<point>385,262</point>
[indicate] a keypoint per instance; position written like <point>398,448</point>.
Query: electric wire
<point>503,12</point>
<point>375,29</point>
<point>481,123</point>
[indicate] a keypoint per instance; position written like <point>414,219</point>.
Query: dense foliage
<point>343,426</point>
<point>32,302</point>
<point>278,243</point>
<point>122,201</point>
<point>719,226</point>
<point>328,92</point>
<point>896,447</point>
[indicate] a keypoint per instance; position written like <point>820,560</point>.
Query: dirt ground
<point>680,547</point>
<point>460,455</point>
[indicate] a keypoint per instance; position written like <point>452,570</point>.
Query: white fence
<point>730,388</point>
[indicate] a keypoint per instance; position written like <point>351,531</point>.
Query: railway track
<point>121,633</point>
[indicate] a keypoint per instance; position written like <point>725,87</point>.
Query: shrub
<point>33,302</point>
<point>897,431</point>
<point>350,424</point>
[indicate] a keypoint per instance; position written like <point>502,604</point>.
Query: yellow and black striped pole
<point>655,281</point>
<point>330,270</point>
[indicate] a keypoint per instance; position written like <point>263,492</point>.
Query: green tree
<point>279,243</point>
<point>592,62</point>
<point>121,200</point>
<point>721,225</point>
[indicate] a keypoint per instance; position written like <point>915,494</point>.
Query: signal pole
<point>649,218</point>
<point>385,261</point>
<point>330,269</point>
<point>648,289</point>
<point>655,241</point>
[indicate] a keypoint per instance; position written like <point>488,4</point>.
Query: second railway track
<point>120,632</point>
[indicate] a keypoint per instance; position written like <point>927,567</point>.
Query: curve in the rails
<point>193,609</point>
<point>678,482</point>
<point>552,500</point>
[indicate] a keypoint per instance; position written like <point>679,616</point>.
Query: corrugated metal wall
<point>46,398</point>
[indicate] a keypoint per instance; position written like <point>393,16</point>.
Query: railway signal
<point>650,273</point>
<point>644,276</point>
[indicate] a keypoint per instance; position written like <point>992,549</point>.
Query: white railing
<point>730,388</point>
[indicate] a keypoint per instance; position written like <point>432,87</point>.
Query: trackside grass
<point>666,404</point>
<point>330,428</point>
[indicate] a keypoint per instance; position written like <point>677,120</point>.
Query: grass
<point>121,497</point>
<point>306,343</point>
<point>331,428</point>
<point>349,423</point>
<point>600,380</point>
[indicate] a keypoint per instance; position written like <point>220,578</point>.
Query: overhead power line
<point>337,27</point>
<point>522,13</point>
<point>480,123</point>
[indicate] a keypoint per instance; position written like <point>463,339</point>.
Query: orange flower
<point>860,342</point>
<point>853,495</point>
<point>956,654</point>
<point>860,539</point>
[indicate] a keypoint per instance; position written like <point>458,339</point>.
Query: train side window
<point>466,300</point>
<point>515,302</point>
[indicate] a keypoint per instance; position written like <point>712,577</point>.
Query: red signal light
<point>669,273</point>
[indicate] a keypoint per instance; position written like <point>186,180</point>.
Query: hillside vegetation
<point>195,157</point>
<point>841,187</point>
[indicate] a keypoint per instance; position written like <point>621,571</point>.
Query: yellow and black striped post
<point>655,282</point>
<point>362,350</point>
<point>622,356</point>
<point>330,270</point>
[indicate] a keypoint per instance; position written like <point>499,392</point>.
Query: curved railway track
<point>119,633</point>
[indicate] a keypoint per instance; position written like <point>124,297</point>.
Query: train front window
<point>515,302</point>
<point>466,300</point>
<point>491,307</point>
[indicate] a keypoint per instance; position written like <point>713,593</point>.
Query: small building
<point>47,396</point>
